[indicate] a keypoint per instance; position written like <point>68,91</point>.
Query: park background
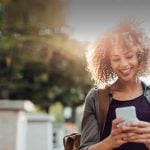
<point>42,53</point>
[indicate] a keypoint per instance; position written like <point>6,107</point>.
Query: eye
<point>130,56</point>
<point>116,59</point>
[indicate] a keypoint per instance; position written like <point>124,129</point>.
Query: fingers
<point>141,130</point>
<point>141,124</point>
<point>140,127</point>
<point>145,141</point>
<point>138,137</point>
<point>127,128</point>
<point>116,135</point>
<point>138,132</point>
<point>116,122</point>
<point>115,129</point>
<point>118,139</point>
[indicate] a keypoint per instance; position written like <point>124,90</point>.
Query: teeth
<point>125,70</point>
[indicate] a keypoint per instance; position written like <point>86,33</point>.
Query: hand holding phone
<point>128,113</point>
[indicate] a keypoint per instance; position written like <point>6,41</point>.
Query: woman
<point>120,55</point>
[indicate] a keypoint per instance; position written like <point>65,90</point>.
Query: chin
<point>127,78</point>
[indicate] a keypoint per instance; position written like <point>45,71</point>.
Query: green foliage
<point>57,111</point>
<point>37,60</point>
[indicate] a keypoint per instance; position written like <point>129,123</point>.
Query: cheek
<point>136,62</point>
<point>113,66</point>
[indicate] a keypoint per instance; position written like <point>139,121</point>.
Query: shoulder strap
<point>104,102</point>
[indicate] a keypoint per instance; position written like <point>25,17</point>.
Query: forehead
<point>120,45</point>
<point>120,51</point>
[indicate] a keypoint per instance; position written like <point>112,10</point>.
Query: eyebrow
<point>127,52</point>
<point>114,55</point>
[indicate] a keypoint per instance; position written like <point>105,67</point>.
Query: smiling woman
<point>127,38</point>
<point>122,53</point>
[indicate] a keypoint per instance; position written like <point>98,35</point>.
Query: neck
<point>128,85</point>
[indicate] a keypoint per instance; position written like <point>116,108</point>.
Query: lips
<point>125,71</point>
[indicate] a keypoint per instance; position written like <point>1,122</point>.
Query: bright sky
<point>90,18</point>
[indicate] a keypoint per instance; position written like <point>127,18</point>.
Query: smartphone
<point>128,113</point>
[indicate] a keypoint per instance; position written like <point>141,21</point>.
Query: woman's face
<point>124,63</point>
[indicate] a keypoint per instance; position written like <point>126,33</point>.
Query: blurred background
<point>42,58</point>
<point>40,61</point>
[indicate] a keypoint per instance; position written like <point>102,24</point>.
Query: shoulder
<point>146,86</point>
<point>92,93</point>
<point>146,91</point>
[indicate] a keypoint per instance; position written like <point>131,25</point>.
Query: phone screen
<point>128,113</point>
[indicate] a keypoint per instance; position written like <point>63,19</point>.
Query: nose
<point>123,63</point>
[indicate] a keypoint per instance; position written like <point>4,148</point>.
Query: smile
<point>125,71</point>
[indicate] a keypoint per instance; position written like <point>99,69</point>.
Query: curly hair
<point>126,35</point>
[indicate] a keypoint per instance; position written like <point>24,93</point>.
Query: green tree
<point>37,60</point>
